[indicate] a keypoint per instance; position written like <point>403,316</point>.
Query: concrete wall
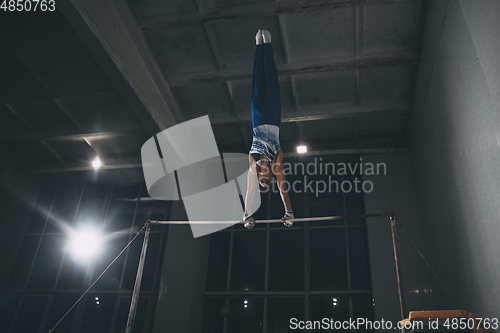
<point>454,138</point>
<point>395,191</point>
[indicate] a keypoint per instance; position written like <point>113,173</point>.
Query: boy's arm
<point>252,184</point>
<point>280,178</point>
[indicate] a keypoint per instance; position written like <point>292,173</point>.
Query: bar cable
<point>93,283</point>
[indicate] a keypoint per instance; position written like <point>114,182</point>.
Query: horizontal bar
<point>298,227</point>
<point>307,219</point>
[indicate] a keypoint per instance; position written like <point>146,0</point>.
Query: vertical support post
<point>398,267</point>
<point>138,280</point>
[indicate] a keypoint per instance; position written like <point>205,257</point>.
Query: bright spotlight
<point>96,163</point>
<point>245,302</point>
<point>301,149</point>
<point>84,244</point>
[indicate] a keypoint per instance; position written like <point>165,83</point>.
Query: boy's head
<point>264,172</point>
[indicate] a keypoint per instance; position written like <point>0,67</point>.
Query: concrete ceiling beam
<point>72,134</point>
<point>111,34</point>
<point>129,164</point>
<point>24,96</point>
<point>293,69</point>
<point>260,9</point>
<point>323,112</point>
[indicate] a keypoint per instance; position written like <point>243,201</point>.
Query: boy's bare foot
<point>266,36</point>
<point>258,37</point>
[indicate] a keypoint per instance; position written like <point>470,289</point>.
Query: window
<point>311,271</point>
<point>46,281</point>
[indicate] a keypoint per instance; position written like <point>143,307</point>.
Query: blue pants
<point>266,100</point>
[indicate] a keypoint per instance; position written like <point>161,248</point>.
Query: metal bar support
<point>138,280</point>
<point>137,286</point>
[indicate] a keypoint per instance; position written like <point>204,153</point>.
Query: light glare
<point>301,149</point>
<point>96,163</point>
<point>85,244</point>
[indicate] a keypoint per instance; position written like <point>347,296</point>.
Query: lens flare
<point>96,164</point>
<point>301,149</point>
<point>85,243</point>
